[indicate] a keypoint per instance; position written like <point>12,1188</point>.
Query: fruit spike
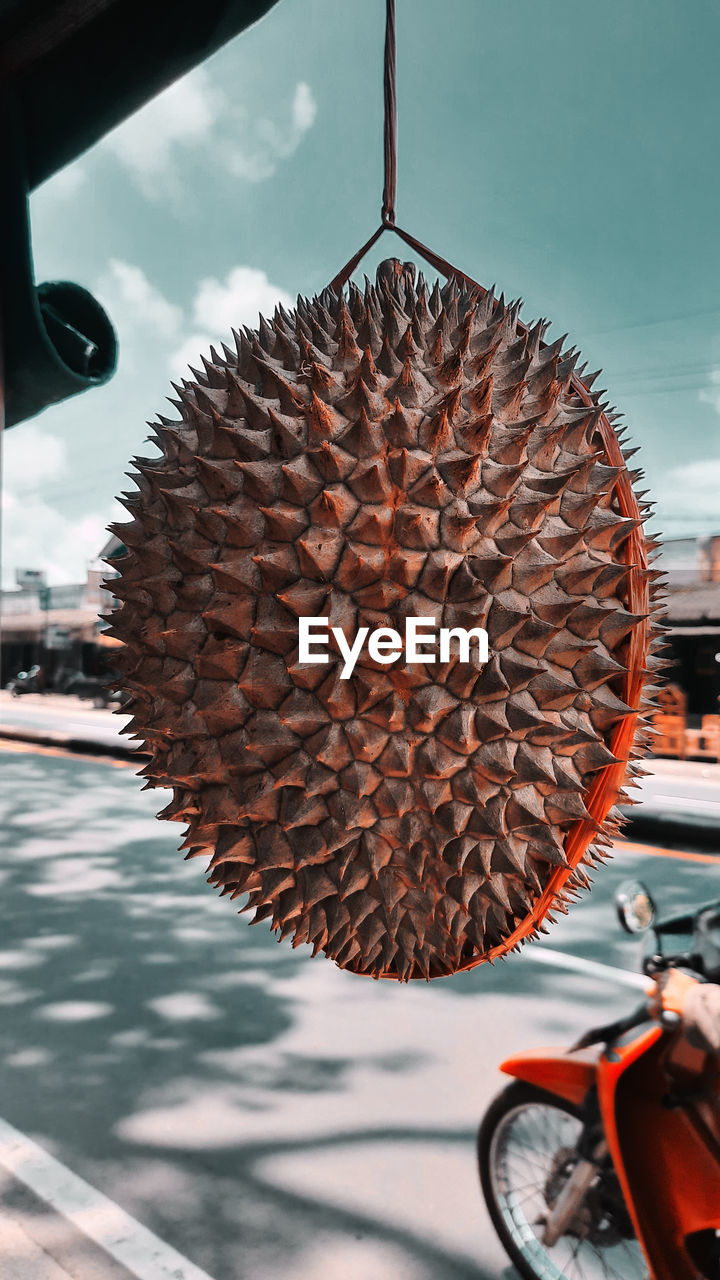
<point>390,453</point>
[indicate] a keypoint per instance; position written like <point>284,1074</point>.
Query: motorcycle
<point>26,682</point>
<point>93,688</point>
<point>604,1161</point>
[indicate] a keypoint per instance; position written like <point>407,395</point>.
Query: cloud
<point>304,109</point>
<point>132,299</point>
<point>151,143</point>
<point>219,307</point>
<point>242,299</point>
<point>35,534</point>
<point>38,536</point>
<point>711,394</point>
<point>195,126</point>
<point>66,183</point>
<point>264,142</point>
<point>32,457</point>
<point>152,329</point>
<point>144,318</point>
<point>691,490</point>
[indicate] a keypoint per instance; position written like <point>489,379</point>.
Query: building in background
<point>692,568</point>
<point>60,628</point>
<point>57,627</point>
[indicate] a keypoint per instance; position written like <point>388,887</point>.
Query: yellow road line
<point>41,749</point>
<point>655,851</point>
<point>623,846</point>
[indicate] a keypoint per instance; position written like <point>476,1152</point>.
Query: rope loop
<point>387,216</point>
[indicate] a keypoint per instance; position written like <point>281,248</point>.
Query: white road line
<point>136,1248</point>
<point>592,968</point>
<point>686,802</point>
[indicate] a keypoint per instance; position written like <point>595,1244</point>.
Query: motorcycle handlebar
<point>668,1020</point>
<point>606,1034</point>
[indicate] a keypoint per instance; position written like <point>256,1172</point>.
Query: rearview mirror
<point>634,905</point>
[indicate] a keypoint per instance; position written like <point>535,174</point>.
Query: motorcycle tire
<point>516,1233</point>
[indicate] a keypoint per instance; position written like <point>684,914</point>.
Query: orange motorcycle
<point>603,1162</point>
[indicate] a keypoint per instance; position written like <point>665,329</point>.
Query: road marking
<point>688,802</point>
<point>23,746</point>
<point>136,1248</point>
<point>591,968</point>
<point>656,851</point>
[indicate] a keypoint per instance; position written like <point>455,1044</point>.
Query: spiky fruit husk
<point>366,458</point>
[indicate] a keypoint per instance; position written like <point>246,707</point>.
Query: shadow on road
<point>256,1110</point>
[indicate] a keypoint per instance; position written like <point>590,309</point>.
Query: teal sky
<point>566,151</point>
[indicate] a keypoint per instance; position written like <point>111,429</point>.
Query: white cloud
<point>187,356</point>
<point>711,394</point>
<point>150,144</point>
<point>221,306</point>
<point>66,183</point>
<point>691,490</point>
<point>264,143</point>
<point>37,536</point>
<point>31,457</point>
<point>245,295</point>
<point>194,124</point>
<point>304,108</point>
<point>132,300</point>
<point>145,320</point>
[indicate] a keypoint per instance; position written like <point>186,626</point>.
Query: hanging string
<point>390,130</point>
<point>387,222</point>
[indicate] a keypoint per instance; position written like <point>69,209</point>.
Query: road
<point>685,791</point>
<point>264,1115</point>
<point>62,717</point>
<point>675,791</point>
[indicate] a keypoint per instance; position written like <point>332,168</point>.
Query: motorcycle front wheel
<point>527,1148</point>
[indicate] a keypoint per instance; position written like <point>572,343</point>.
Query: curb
<point>77,746</point>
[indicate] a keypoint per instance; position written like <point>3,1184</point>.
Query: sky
<point>565,151</point>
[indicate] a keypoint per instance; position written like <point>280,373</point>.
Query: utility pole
<point>44,598</point>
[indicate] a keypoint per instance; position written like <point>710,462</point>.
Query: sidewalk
<point>22,1258</point>
<point>37,1243</point>
<point>664,767</point>
<point>65,721</point>
<point>681,792</point>
<point>52,702</point>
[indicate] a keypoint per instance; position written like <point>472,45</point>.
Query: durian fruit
<point>368,457</point>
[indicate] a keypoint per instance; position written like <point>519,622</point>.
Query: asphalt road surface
<point>675,791</point>
<point>209,1104</point>
<point>62,717</point>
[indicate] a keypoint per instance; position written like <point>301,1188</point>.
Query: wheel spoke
<point>532,1152</point>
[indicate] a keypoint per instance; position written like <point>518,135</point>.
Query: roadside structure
<point>688,722</point>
